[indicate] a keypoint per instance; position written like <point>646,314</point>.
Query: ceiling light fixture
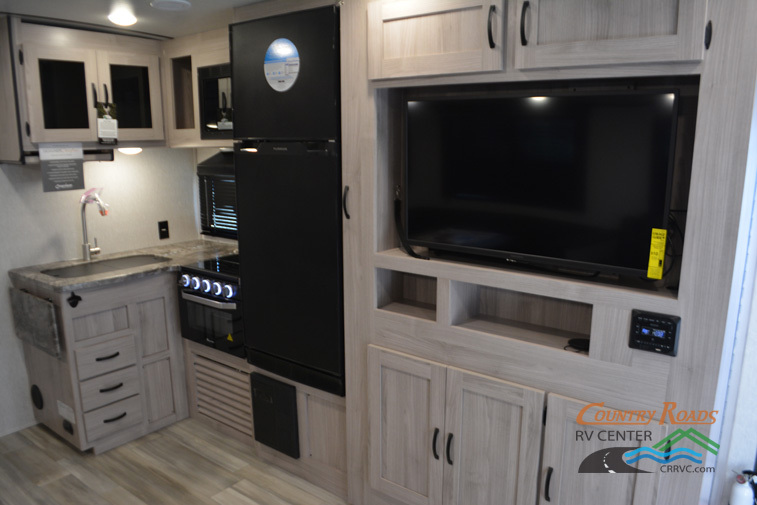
<point>171,5</point>
<point>122,16</point>
<point>129,150</point>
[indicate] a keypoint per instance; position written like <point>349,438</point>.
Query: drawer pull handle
<point>449,448</point>
<point>433,443</point>
<point>112,388</point>
<point>546,484</point>
<point>106,358</point>
<point>114,419</point>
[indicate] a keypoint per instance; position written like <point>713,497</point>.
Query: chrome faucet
<point>90,196</point>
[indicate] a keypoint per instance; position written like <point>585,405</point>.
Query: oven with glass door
<point>210,304</point>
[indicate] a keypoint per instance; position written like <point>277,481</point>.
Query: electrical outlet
<point>163,229</point>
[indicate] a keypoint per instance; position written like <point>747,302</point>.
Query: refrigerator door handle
<point>344,201</point>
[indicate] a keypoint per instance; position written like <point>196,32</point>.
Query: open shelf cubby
<point>404,293</point>
<point>523,316</point>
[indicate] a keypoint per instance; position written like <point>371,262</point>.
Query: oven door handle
<point>209,303</point>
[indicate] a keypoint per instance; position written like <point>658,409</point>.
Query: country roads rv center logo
<point>682,451</point>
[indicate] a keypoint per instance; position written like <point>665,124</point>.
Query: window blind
<point>218,205</point>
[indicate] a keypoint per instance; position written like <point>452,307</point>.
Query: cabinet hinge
<point>20,57</point>
<point>28,130</point>
<point>544,416</point>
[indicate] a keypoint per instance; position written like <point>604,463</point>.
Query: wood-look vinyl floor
<point>185,464</point>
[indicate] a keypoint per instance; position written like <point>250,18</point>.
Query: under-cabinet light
<point>129,150</point>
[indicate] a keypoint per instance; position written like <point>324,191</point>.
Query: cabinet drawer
<point>109,388</point>
<point>105,357</point>
<point>113,418</point>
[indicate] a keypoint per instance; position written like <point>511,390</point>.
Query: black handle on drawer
<point>449,448</point>
<point>107,97</point>
<point>433,443</point>
<point>114,419</point>
<point>112,388</point>
<point>546,483</point>
<point>524,10</point>
<point>94,95</point>
<point>492,10</point>
<point>106,358</point>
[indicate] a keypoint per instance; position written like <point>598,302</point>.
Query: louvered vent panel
<point>223,394</point>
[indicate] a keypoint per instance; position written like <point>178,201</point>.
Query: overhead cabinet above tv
<point>568,33</point>
<point>409,38</point>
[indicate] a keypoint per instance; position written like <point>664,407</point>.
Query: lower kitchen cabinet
<point>564,451</point>
<point>120,374</point>
<point>444,435</point>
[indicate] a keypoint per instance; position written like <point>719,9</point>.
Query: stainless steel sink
<point>104,266</point>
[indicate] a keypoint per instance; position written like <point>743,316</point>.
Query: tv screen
<point>570,179</point>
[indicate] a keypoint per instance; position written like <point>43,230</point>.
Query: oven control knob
<point>194,283</point>
<point>217,289</point>
<point>205,286</point>
<point>184,281</point>
<point>229,291</point>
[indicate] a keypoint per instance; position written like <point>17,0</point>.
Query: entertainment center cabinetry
<point>440,434</point>
<point>512,324</point>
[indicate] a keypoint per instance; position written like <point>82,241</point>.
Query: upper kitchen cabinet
<point>59,105</point>
<point>64,85</point>
<point>570,33</point>
<point>132,83</point>
<point>193,65</point>
<point>414,38</point>
<point>58,76</point>
<point>67,72</point>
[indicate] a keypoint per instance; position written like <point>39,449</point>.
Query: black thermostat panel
<point>654,332</point>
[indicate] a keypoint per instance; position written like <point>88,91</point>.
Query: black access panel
<point>274,414</point>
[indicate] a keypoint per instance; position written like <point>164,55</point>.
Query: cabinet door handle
<point>524,10</point>
<point>107,97</point>
<point>114,419</point>
<point>112,388</point>
<point>492,10</point>
<point>546,483</point>
<point>449,448</point>
<point>106,358</point>
<point>433,443</point>
<point>94,95</point>
<point>344,201</point>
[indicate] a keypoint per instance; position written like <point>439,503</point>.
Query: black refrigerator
<point>285,71</point>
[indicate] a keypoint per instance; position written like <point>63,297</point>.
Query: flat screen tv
<point>571,179</point>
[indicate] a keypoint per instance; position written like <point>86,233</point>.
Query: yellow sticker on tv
<point>657,253</point>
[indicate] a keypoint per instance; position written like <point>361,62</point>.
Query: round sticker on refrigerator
<point>281,65</point>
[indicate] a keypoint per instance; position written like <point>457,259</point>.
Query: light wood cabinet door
<point>406,418</point>
<point>428,37</point>
<point>567,444</point>
<point>60,87</point>
<point>567,33</point>
<point>132,82</point>
<point>492,442</point>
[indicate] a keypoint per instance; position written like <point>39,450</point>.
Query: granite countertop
<point>178,254</point>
